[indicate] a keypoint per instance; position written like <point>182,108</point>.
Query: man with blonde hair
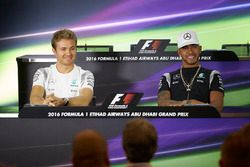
<point>63,83</point>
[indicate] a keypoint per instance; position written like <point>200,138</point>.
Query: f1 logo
<point>151,44</point>
<point>122,100</point>
<point>125,100</point>
<point>117,98</point>
<point>147,44</point>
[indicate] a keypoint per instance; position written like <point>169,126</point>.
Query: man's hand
<point>52,100</point>
<point>177,103</point>
<point>164,99</point>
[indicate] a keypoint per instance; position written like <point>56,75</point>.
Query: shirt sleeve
<point>216,81</point>
<point>164,83</point>
<point>39,77</point>
<point>87,80</point>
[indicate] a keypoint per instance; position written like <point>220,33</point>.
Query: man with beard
<point>191,84</point>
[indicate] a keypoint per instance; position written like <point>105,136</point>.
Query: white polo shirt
<point>63,85</point>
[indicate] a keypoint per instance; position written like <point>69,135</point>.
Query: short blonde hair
<point>63,34</point>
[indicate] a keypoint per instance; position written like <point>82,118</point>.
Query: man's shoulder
<point>172,72</point>
<point>51,67</point>
<point>209,71</point>
<point>175,72</point>
<point>43,70</point>
<point>83,71</point>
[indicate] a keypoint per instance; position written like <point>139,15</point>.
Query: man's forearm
<point>165,100</point>
<point>79,101</point>
<point>36,100</point>
<point>194,101</point>
<point>171,103</point>
<point>219,107</point>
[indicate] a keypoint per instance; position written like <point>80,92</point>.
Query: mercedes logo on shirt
<point>187,36</point>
